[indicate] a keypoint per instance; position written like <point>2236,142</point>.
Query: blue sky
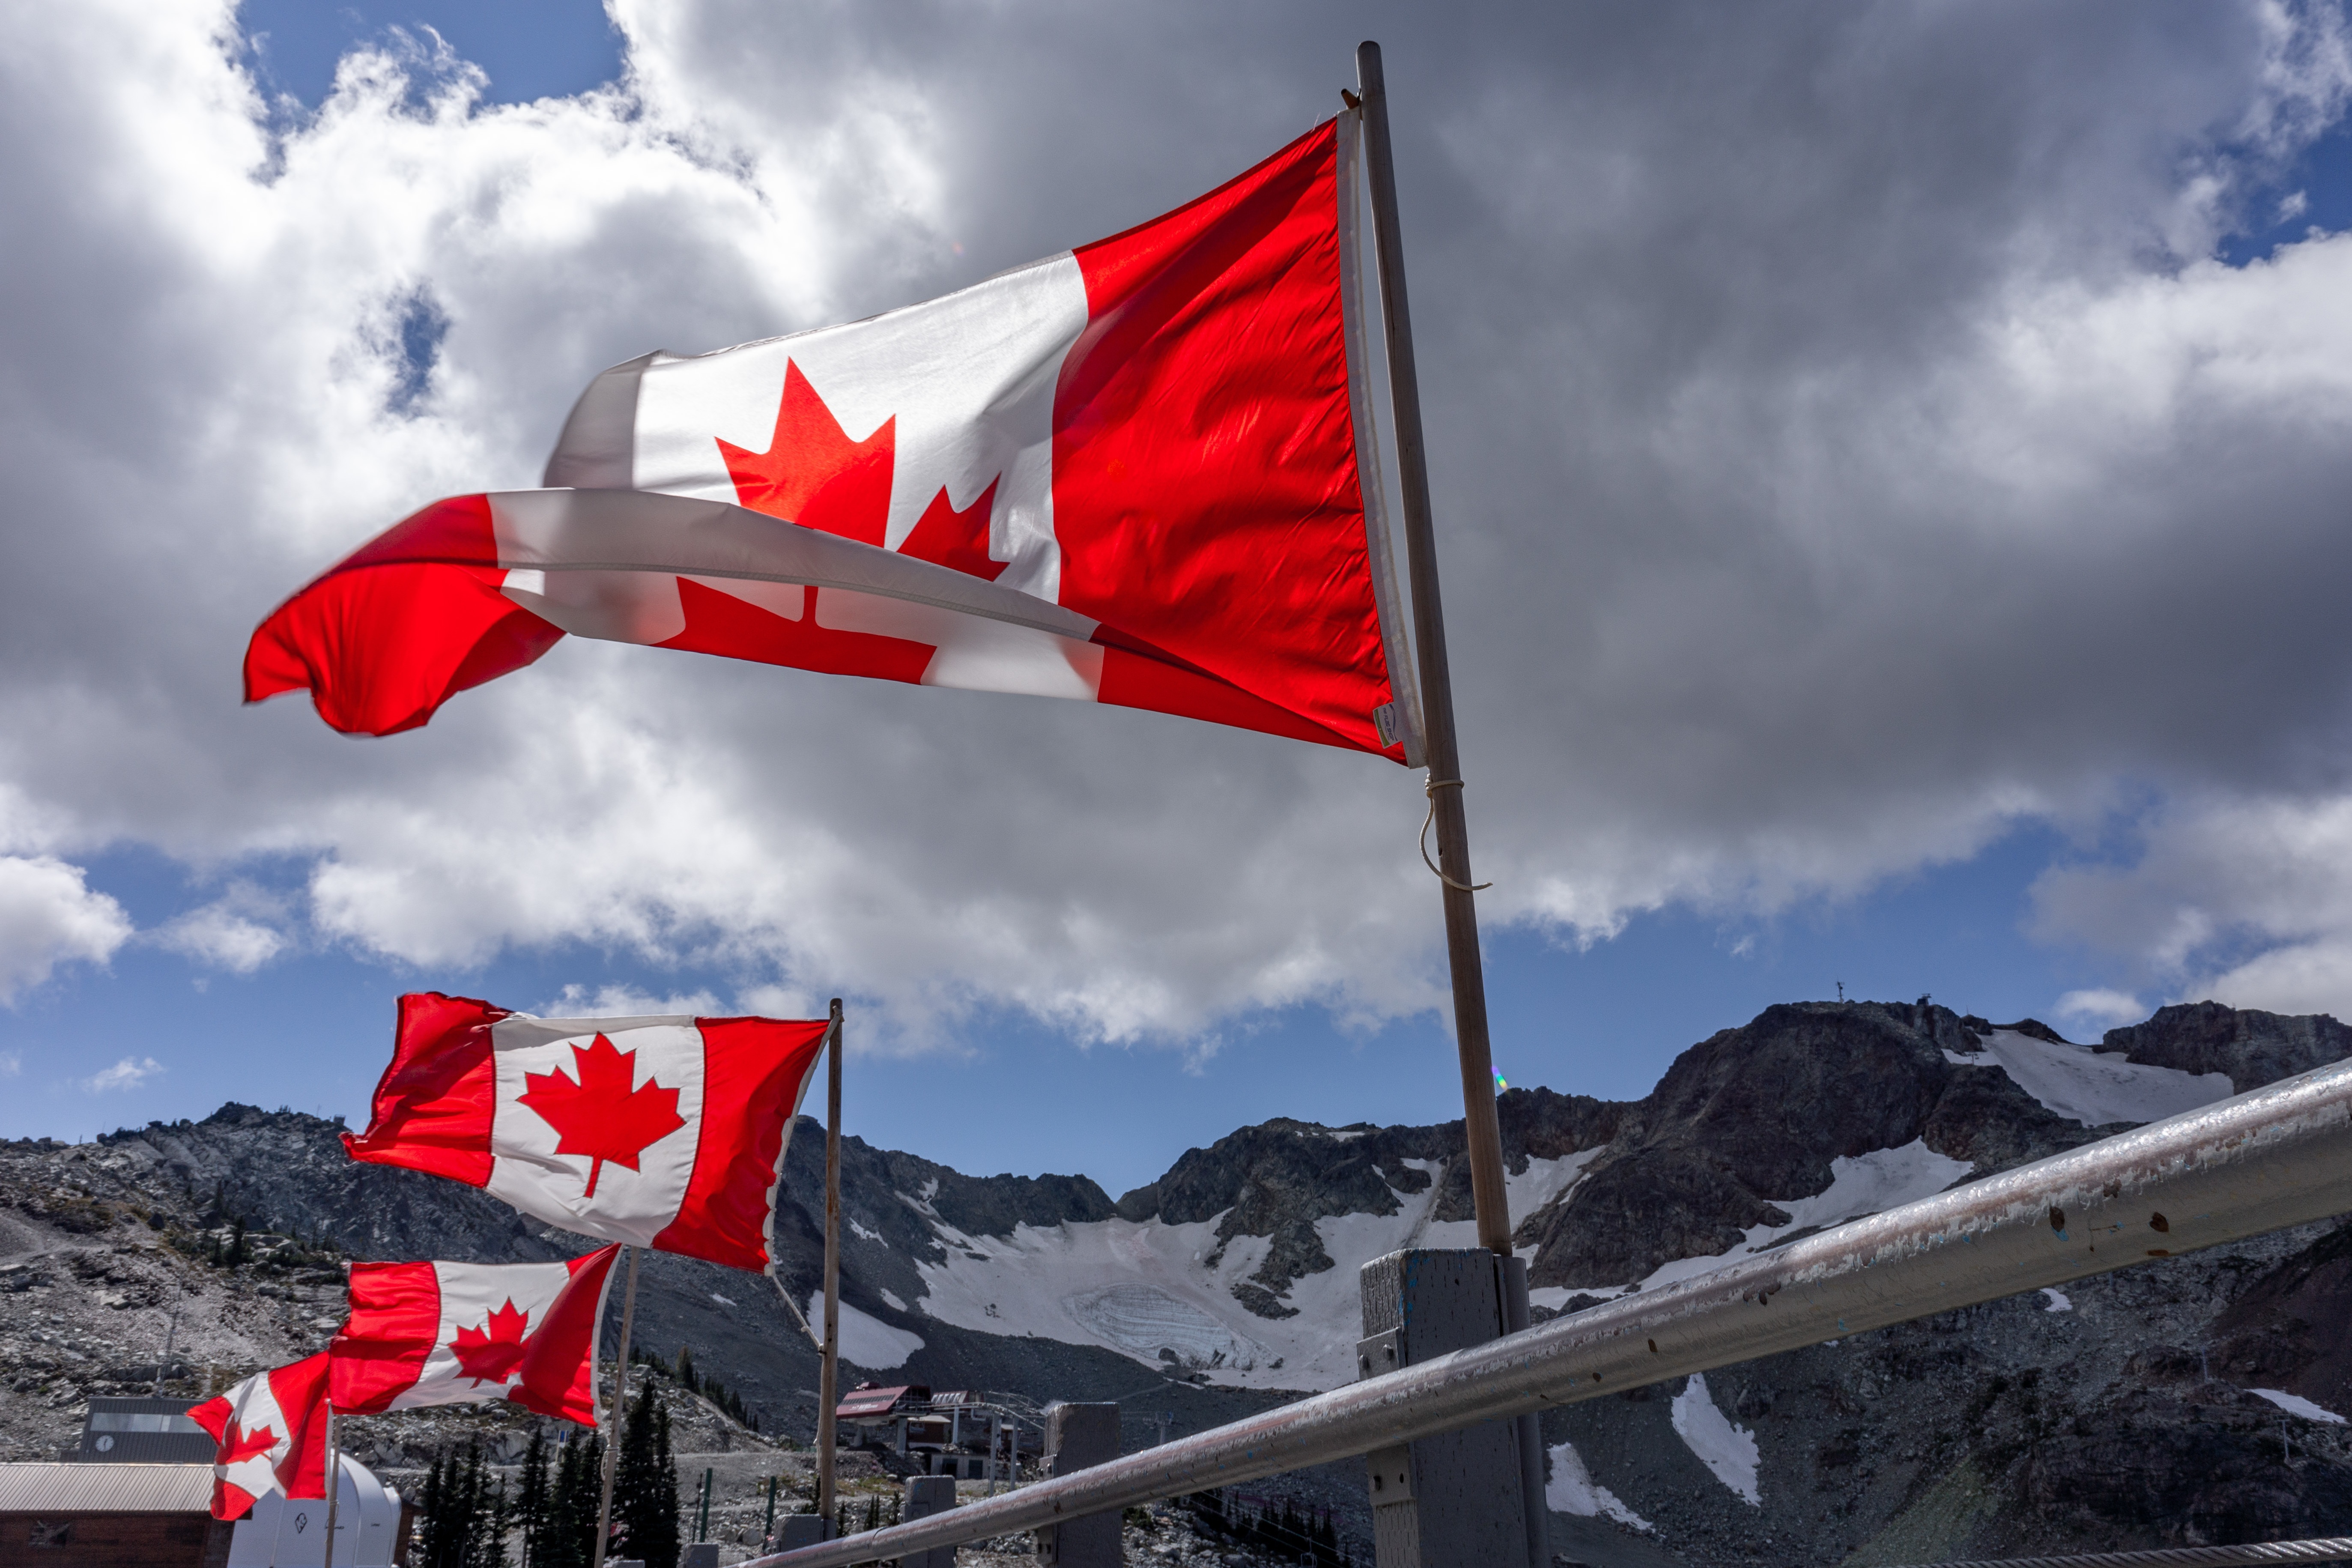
<point>313,1032</point>
<point>1768,768</point>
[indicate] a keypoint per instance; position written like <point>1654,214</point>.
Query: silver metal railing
<point>2334,1550</point>
<point>2278,1156</point>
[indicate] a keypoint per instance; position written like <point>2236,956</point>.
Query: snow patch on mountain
<point>1572,1489</point>
<point>2097,1088</point>
<point>2297,1405</point>
<point>1859,1185</point>
<point>865,1339</point>
<point>1727,1451</point>
<point>1149,1289</point>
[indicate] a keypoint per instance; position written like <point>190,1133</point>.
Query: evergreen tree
<point>488,1548</point>
<point>530,1495</point>
<point>428,1534</point>
<point>563,1535</point>
<point>665,1464</point>
<point>645,1486</point>
<point>685,1368</point>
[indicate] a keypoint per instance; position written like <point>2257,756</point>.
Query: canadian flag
<point>665,1132</point>
<point>272,1432</point>
<point>1129,473</point>
<point>464,1333</point>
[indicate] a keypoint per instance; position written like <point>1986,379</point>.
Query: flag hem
<point>1404,691</point>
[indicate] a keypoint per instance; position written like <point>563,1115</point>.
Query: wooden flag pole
<point>828,1381</point>
<point>1484,1132</point>
<point>618,1413</point>
<point>334,1483</point>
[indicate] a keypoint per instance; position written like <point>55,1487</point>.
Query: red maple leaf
<point>237,1445</point>
<point>814,475</point>
<point>602,1116</point>
<point>491,1352</point>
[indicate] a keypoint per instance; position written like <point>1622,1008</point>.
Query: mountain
<point>2121,1412</point>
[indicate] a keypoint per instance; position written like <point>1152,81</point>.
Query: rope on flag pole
<point>798,1317</point>
<point>1431,789</point>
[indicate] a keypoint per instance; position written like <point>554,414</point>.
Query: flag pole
<point>614,1417</point>
<point>828,1383</point>
<point>1482,1131</point>
<point>334,1483</point>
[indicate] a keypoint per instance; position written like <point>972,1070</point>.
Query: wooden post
<point>616,1416</point>
<point>334,1485</point>
<point>1483,1131</point>
<point>828,1378</point>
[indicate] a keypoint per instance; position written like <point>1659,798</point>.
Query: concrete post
<point>803,1530</point>
<point>1078,1436</point>
<point>1459,1497</point>
<point>928,1495</point>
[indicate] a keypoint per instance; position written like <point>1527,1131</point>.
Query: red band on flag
<point>433,1105</point>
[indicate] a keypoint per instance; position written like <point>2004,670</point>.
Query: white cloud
<point>49,916</point>
<point>128,1073</point>
<point>2246,901</point>
<point>226,934</point>
<point>1809,516</point>
<point>626,1002</point>
<point>2100,1009</point>
<point>12,1064</point>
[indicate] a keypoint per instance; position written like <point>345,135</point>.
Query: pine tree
<point>685,1369</point>
<point>428,1536</point>
<point>530,1495</point>
<point>591,1493</point>
<point>563,1535</point>
<point>645,1486</point>
<point>665,1465</point>
<point>488,1548</point>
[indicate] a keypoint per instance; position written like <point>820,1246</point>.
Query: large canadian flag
<point>666,1132</point>
<point>1129,473</point>
<point>272,1432</point>
<point>464,1333</point>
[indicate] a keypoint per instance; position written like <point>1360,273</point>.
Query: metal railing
<point>2276,1157</point>
<point>2336,1550</point>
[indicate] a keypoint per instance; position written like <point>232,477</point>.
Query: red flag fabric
<point>665,1132</point>
<point>466,1333</point>
<point>272,1432</point>
<point>1128,474</point>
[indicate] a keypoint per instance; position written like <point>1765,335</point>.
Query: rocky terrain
<point>2123,1412</point>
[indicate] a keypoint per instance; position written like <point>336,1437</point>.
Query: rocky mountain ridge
<point>2126,1414</point>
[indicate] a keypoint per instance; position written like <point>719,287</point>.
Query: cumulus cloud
<point>1845,451</point>
<point>2246,901</point>
<point>238,932</point>
<point>622,1002</point>
<point>128,1073</point>
<point>2096,1010</point>
<point>48,916</point>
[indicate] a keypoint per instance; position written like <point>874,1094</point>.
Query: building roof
<point>144,1431</point>
<point>66,1487</point>
<point>872,1401</point>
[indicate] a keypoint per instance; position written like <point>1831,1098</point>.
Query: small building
<point>64,1514</point>
<point>71,1514</point>
<point>143,1432</point>
<point>897,1418</point>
